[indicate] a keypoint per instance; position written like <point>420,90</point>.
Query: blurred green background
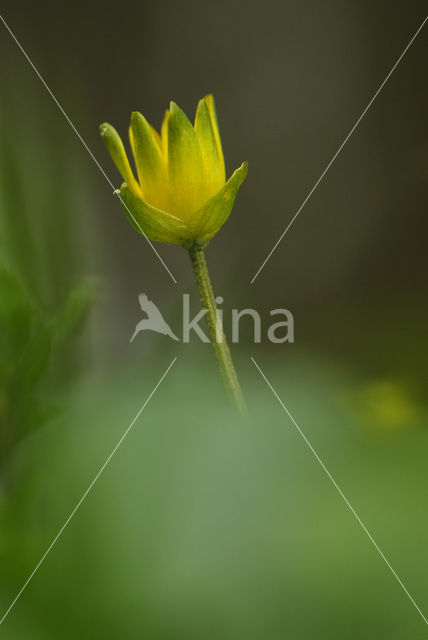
<point>202,527</point>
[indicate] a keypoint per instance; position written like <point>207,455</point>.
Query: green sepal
<point>214,213</point>
<point>154,223</point>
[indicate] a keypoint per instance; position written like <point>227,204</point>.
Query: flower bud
<point>181,195</point>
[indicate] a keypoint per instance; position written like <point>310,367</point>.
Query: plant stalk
<point>215,328</point>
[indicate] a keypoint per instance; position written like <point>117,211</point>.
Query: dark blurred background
<point>201,530</point>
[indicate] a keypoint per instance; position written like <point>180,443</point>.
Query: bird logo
<point>154,320</point>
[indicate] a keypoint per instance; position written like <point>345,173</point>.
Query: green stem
<point>215,327</point>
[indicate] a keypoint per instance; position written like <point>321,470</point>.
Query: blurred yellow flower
<point>386,404</point>
<point>181,195</point>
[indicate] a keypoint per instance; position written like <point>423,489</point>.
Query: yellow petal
<point>214,170</point>
<point>209,99</point>
<point>185,166</point>
<point>117,151</point>
<point>149,160</point>
<point>164,135</point>
<point>156,137</point>
<point>131,140</point>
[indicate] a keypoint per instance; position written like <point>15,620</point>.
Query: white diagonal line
<point>348,504</point>
<point>36,568</point>
<point>116,192</point>
<point>338,151</point>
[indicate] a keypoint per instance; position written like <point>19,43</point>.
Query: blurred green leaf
<point>75,311</point>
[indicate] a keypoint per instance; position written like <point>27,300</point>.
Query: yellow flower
<point>181,195</point>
